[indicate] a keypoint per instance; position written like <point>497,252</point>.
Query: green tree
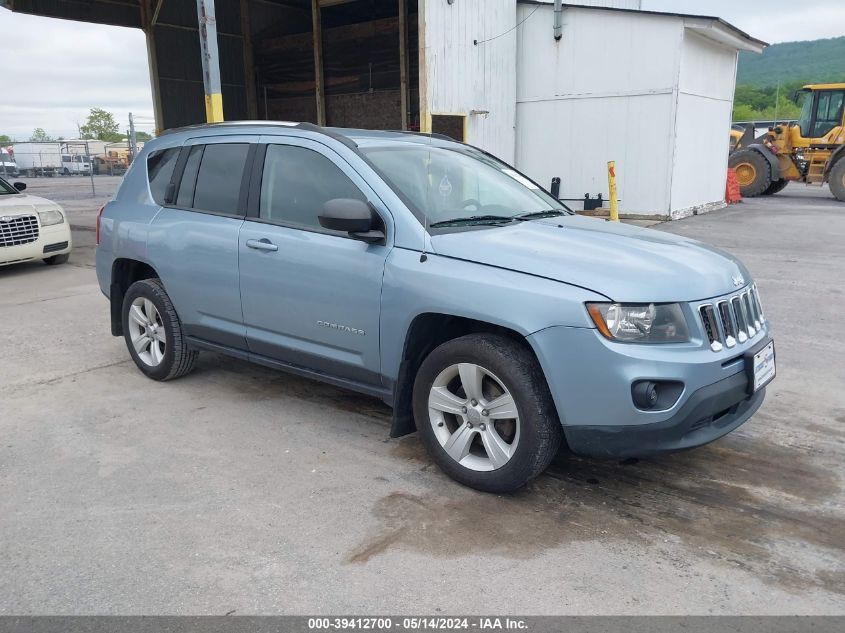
<point>143,137</point>
<point>5,139</point>
<point>40,136</point>
<point>101,126</point>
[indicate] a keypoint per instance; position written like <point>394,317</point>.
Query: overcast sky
<point>62,69</point>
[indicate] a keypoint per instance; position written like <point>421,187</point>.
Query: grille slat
<point>22,229</point>
<point>735,319</point>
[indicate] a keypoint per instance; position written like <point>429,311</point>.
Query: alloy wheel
<point>147,332</point>
<point>474,417</point>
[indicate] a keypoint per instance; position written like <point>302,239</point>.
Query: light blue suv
<point>432,275</point>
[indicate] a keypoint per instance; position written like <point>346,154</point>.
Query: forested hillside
<point>779,71</point>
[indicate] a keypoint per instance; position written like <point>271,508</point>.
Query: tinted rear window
<point>160,166</point>
<point>219,180</point>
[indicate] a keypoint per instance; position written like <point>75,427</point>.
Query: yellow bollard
<point>611,186</point>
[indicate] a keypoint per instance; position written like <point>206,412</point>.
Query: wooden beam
<point>249,65</point>
<point>156,12</point>
<point>403,61</point>
<point>317,38</point>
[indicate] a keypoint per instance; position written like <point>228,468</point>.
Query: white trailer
<point>38,159</point>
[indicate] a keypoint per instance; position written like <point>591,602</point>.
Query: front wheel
<point>776,186</point>
<point>484,412</point>
<point>753,173</point>
<point>837,180</point>
<point>153,332</point>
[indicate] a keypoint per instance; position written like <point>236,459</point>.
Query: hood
<point>620,261</point>
<point>17,204</point>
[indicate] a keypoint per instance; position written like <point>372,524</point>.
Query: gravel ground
<point>237,489</point>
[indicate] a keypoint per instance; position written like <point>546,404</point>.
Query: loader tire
<point>777,185</point>
<point>753,172</point>
<point>837,180</point>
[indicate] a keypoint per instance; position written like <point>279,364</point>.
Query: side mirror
<point>20,186</point>
<point>355,217</point>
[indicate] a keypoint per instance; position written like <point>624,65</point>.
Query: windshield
<point>806,113</point>
<point>455,183</point>
<point>6,188</point>
<point>5,157</point>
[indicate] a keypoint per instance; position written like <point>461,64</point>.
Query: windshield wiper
<point>474,219</point>
<point>536,215</point>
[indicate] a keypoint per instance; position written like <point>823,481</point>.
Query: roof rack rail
<point>254,123</point>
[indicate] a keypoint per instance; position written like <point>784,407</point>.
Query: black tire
<point>753,172</point>
<point>178,358</point>
<point>55,260</point>
<point>836,180</point>
<point>776,186</point>
<point>540,432</point>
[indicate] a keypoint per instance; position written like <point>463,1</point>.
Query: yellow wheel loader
<point>811,151</point>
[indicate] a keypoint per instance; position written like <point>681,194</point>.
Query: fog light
<point>645,394</point>
<point>656,395</point>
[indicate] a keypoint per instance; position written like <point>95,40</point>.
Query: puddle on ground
<point>743,502</point>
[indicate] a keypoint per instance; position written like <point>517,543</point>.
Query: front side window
<point>458,183</point>
<point>297,182</point>
<point>6,188</point>
<point>828,113</point>
<point>160,165</point>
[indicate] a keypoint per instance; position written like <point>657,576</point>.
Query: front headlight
<point>640,323</point>
<point>53,216</point>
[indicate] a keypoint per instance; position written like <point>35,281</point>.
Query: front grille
<point>733,320</point>
<point>21,229</point>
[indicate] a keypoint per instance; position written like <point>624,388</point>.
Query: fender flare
<point>837,155</point>
<point>773,161</point>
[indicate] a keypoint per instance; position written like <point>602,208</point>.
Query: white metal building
<point>652,91</point>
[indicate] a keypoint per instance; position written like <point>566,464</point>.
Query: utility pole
<point>133,141</point>
<point>210,61</point>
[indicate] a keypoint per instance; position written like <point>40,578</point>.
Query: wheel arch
<point>838,154</point>
<point>427,331</point>
<point>771,158</point>
<point>124,273</point>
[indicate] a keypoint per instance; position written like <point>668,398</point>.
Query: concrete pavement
<point>238,489</point>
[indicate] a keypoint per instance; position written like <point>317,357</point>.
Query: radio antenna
<point>423,256</point>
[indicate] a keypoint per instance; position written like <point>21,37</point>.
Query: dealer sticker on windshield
<point>764,366</point>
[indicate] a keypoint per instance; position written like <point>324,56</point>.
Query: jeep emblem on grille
<point>738,280</point>
<point>6,218</point>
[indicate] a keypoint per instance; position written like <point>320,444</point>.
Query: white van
<point>75,164</point>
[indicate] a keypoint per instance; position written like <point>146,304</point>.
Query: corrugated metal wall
<point>458,76</point>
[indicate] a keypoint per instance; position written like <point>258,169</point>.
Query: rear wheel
<point>837,180</point>
<point>777,185</point>
<point>484,412</point>
<point>153,332</point>
<point>753,173</point>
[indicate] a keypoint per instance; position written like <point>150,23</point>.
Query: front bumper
<point>590,379</point>
<point>708,414</point>
<point>49,239</point>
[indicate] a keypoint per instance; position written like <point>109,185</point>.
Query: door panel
<point>310,298</point>
<point>196,250</point>
<point>197,257</point>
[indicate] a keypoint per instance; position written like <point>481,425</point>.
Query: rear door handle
<point>262,245</point>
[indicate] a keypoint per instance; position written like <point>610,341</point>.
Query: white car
<point>31,227</point>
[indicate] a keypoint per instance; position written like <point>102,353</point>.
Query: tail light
<point>99,217</point>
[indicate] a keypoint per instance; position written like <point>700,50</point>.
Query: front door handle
<point>262,245</point>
